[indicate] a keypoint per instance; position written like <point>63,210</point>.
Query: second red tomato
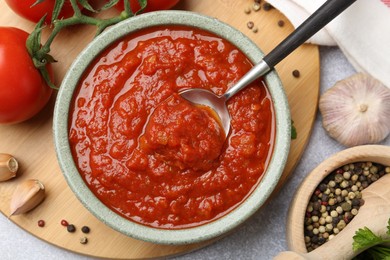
<point>25,9</point>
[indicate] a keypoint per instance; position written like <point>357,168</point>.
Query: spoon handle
<point>326,13</point>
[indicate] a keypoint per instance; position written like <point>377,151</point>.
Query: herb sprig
<point>365,239</point>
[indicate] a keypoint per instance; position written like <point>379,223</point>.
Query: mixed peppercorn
<point>256,6</point>
<point>70,228</point>
<point>337,199</point>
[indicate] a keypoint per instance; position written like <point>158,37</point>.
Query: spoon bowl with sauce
<point>326,13</point>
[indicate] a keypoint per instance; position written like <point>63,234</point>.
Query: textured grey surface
<point>262,237</point>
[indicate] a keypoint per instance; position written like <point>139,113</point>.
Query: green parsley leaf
<point>388,227</point>
<point>294,133</point>
<point>365,238</point>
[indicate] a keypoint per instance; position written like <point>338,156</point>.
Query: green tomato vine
<point>40,52</point>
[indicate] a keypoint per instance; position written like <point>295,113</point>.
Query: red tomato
<point>23,91</point>
<point>153,5</point>
<point>25,9</point>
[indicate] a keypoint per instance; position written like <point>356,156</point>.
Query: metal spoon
<point>326,13</point>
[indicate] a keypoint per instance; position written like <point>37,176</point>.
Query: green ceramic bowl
<point>182,236</point>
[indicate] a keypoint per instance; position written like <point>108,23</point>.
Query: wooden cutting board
<point>31,142</point>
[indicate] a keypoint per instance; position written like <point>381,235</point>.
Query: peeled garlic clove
<point>356,110</point>
<point>27,196</point>
<point>8,167</point>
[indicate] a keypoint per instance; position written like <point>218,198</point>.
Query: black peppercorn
<point>314,239</point>
<point>296,73</point>
<point>323,187</point>
<point>267,6</point>
<point>71,228</point>
<point>280,23</point>
<point>85,229</point>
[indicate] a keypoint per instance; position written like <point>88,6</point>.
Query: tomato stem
<point>40,53</point>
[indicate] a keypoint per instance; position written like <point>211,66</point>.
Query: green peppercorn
<point>321,229</point>
<point>344,184</point>
<point>351,195</point>
<point>341,225</point>
<point>339,210</point>
<point>329,227</point>
<point>347,175</point>
<point>338,178</point>
<point>346,206</point>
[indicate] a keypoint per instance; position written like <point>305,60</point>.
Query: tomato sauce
<point>150,155</point>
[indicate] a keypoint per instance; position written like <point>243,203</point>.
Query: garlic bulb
<point>27,196</point>
<point>8,167</point>
<point>356,110</point>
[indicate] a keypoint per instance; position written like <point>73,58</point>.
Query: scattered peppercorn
<point>41,223</point>
<point>337,200</point>
<point>250,25</point>
<point>83,240</point>
<point>267,6</point>
<point>64,223</point>
<point>296,73</point>
<point>256,6</point>
<point>71,228</point>
<point>255,29</point>
<point>247,10</point>
<point>85,229</point>
<point>280,23</point>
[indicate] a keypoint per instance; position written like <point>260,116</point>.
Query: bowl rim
<point>216,227</point>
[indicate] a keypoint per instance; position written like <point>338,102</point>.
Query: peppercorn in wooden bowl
<point>346,192</point>
<point>146,162</point>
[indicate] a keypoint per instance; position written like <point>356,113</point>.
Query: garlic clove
<point>8,167</point>
<point>27,196</point>
<point>356,110</point>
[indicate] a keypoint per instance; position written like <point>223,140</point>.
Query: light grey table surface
<point>262,237</point>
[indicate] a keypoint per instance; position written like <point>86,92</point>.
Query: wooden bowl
<point>374,214</point>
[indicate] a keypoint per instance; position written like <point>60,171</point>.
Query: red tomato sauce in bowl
<point>148,154</point>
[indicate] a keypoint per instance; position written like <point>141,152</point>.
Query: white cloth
<point>362,32</point>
